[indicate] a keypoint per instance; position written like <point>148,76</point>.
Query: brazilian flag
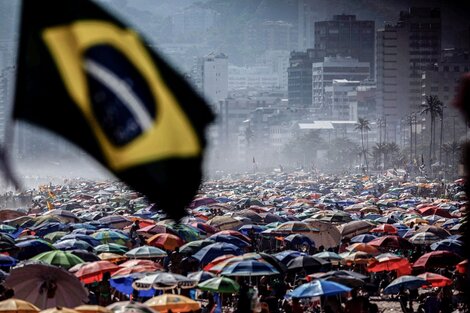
<point>87,76</point>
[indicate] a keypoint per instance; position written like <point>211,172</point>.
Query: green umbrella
<point>59,258</point>
<point>220,284</point>
<point>7,228</point>
<point>194,246</point>
<point>111,247</point>
<point>54,236</point>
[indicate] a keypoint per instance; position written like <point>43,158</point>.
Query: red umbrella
<point>217,260</point>
<point>462,267</point>
<point>205,227</point>
<point>388,264</point>
<point>155,229</point>
<point>393,242</point>
<point>434,210</point>
<point>436,280</point>
<point>94,271</point>
<point>165,241</point>
<point>384,228</point>
<point>234,233</point>
<point>440,258</point>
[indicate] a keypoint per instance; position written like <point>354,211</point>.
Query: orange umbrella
<point>136,269</point>
<point>94,271</point>
<point>363,247</point>
<point>436,280</point>
<point>165,241</point>
<point>384,228</point>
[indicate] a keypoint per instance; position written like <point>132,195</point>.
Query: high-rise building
<point>346,36</point>
<point>210,76</point>
<point>404,51</point>
<point>299,77</point>
<point>323,75</point>
<point>306,16</point>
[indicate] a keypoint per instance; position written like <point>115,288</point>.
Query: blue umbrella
<point>365,238</point>
<point>318,288</point>
<point>299,239</point>
<point>88,239</point>
<point>123,284</point>
<point>452,245</point>
<point>250,227</point>
<point>249,268</point>
<point>287,255</point>
<point>7,261</point>
<point>212,251</point>
<point>385,220</point>
<point>405,282</point>
<point>229,239</point>
<point>30,248</point>
<point>83,226</point>
<point>327,255</point>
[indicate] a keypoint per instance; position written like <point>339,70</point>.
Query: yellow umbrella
<point>111,257</point>
<point>175,303</point>
<point>17,306</point>
<point>88,308</point>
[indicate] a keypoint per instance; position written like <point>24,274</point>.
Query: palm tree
<point>433,106</point>
<point>392,151</point>
<point>378,153</point>
<point>452,149</point>
<point>363,126</point>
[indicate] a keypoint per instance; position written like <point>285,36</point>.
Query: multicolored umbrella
<point>93,272</point>
<point>146,252</point>
<point>436,280</point>
<point>59,258</point>
<point>405,282</point>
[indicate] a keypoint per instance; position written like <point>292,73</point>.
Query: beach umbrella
<point>249,268</point>
<point>229,239</point>
<point>192,247</point>
<point>93,272</point>
<point>111,247</point>
<point>173,303</point>
<point>318,288</point>
<point>88,239</point>
<point>127,271</point>
<point>287,255</point>
<point>424,238</point>
<point>128,307</point>
<point>355,228</point>
<point>384,228</point>
<point>299,239</point>
<point>201,276</point>
<point>365,238</point>
<point>462,267</point>
<point>30,248</point>
<point>245,229</point>
<point>46,286</point>
<point>438,231</point>
<point>295,227</point>
<point>364,247</point>
<point>110,236</point>
<point>451,245</point>
<point>85,255</point>
<point>55,236</point>
<point>437,259</point>
<point>145,252</point>
<point>347,280</point>
<point>388,264</point>
<point>111,257</point>
<point>59,309</point>
<point>212,251</point>
<point>393,242</point>
<point>116,221</point>
<point>90,308</point>
<point>306,262</point>
<point>405,282</point>
<point>327,255</point>
<point>278,265</point>
<point>137,262</point>
<point>436,280</point>
<point>72,244</point>
<point>328,235</point>
<point>220,285</point>
<point>59,258</point>
<point>234,233</point>
<point>224,222</point>
<point>7,261</point>
<point>162,281</point>
<point>17,306</point>
<point>165,241</point>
